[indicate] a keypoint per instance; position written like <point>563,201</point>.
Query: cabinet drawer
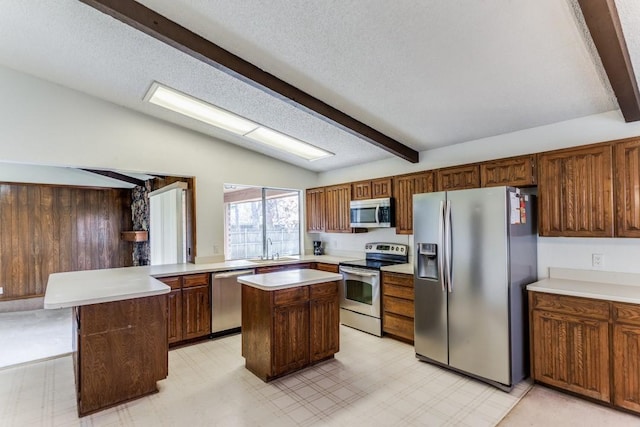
<point>626,313</point>
<point>398,325</point>
<point>321,290</point>
<point>398,291</point>
<point>175,282</point>
<point>398,279</point>
<point>596,309</point>
<point>331,268</point>
<point>291,295</point>
<point>195,280</point>
<point>399,306</point>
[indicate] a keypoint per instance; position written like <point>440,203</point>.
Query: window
<point>261,222</point>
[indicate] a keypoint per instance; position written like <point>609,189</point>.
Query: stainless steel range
<point>361,287</point>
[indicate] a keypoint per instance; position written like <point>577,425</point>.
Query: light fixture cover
<point>189,106</point>
<point>287,144</point>
<point>184,104</point>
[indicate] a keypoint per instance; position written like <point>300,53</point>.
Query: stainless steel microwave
<point>372,213</point>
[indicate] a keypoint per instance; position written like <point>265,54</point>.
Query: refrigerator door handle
<point>441,255</point>
<point>448,248</point>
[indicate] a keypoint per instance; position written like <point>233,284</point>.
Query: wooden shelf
<point>135,236</point>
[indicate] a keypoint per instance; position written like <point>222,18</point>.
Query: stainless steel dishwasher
<point>226,300</point>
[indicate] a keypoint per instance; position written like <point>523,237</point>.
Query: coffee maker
<point>317,247</point>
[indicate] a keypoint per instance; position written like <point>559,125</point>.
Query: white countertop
<point>611,286</point>
<point>78,288</point>
<point>288,279</point>
<point>399,268</point>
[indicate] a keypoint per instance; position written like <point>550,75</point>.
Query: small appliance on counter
<point>317,247</point>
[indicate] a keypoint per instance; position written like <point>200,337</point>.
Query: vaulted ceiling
<point>425,73</point>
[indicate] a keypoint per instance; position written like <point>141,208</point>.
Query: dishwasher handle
<point>232,274</point>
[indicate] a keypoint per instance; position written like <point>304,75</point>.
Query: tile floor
<point>372,381</point>
<point>31,335</point>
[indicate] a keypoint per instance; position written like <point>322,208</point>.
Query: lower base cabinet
<point>398,305</point>
<point>189,307</point>
<point>586,346</point>
<point>120,351</point>
<point>286,330</point>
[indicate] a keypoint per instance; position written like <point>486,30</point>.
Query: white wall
<point>47,124</point>
<point>620,254</point>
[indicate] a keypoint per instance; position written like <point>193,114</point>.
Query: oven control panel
<point>387,248</point>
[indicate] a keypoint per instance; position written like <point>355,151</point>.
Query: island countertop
<point>288,279</point>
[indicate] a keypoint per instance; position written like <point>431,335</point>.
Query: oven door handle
<point>358,273</point>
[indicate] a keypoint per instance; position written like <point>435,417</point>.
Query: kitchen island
<point>120,347</point>
<point>290,320</point>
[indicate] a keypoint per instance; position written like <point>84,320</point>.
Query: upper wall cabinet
<point>315,210</point>
<point>337,199</point>
<point>458,177</point>
<point>514,172</point>
<point>575,192</point>
<point>627,167</point>
<point>374,189</point>
<point>404,187</point>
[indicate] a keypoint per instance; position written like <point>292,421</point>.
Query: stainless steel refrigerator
<point>475,251</point>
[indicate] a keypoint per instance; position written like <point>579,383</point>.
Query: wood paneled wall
<point>47,229</point>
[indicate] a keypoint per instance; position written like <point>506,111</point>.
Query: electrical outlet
<point>597,260</point>
<point>216,250</point>
<point>334,243</point>
<point>1,290</point>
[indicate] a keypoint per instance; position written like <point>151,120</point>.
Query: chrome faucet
<point>270,243</point>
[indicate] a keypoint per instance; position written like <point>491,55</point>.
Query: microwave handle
<point>377,214</point>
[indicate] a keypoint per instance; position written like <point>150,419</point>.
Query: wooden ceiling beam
<point>604,25</point>
<point>188,42</point>
<point>117,176</point>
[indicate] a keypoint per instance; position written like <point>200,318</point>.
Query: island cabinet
<point>458,177</point>
<point>398,306</point>
<point>514,171</point>
<point>120,351</point>
<point>575,192</point>
<point>189,307</point>
<point>288,329</point>
<point>404,187</point>
<point>627,183</point>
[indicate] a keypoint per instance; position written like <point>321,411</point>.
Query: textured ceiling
<point>427,73</point>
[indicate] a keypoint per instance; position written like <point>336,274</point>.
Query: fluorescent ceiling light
<point>196,109</point>
<point>187,105</point>
<point>287,144</point>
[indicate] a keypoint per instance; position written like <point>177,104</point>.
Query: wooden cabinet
<point>587,346</point>
<point>627,182</point>
<point>398,305</point>
<point>514,171</point>
<point>404,187</point>
<point>458,177</point>
<point>324,321</point>
<point>288,329</point>
<point>331,268</point>
<point>120,351</point>
<point>575,192</point>
<point>337,200</point>
<point>315,210</point>
<point>626,356</point>
<point>373,189</point>
<point>189,307</point>
<point>571,344</point>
